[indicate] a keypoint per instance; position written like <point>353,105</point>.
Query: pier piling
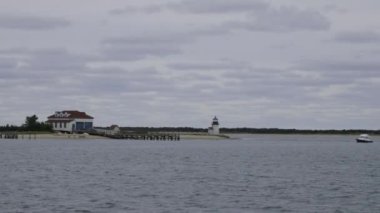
<point>17,135</point>
<point>147,136</point>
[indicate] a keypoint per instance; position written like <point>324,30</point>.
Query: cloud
<point>260,15</point>
<point>55,60</point>
<point>358,37</point>
<point>137,48</point>
<point>32,22</point>
<point>217,6</point>
<point>349,82</point>
<point>361,67</point>
<point>198,7</point>
<point>245,15</point>
<point>7,68</point>
<point>330,82</point>
<point>6,63</point>
<point>36,66</point>
<point>123,81</point>
<point>236,81</point>
<point>207,66</point>
<point>132,10</point>
<point>286,19</point>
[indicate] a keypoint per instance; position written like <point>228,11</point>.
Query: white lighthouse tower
<point>214,129</point>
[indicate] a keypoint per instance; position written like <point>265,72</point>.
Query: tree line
<point>297,131</point>
<point>162,129</point>
<point>31,124</point>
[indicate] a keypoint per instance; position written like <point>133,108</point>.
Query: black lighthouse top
<point>215,121</point>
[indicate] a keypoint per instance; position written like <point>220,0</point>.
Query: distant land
<point>240,130</point>
<point>247,130</point>
<point>32,124</point>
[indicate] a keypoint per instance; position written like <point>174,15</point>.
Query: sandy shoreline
<point>189,136</point>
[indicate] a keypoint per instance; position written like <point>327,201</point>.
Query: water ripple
<point>264,174</point>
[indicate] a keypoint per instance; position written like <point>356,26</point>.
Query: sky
<point>305,64</point>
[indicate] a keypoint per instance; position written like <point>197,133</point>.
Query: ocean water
<point>259,173</point>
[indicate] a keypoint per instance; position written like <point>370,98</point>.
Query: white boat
<point>364,138</point>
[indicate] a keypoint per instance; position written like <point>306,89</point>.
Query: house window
<point>64,125</point>
<point>60,124</point>
<point>80,125</point>
<point>55,124</point>
<point>88,125</point>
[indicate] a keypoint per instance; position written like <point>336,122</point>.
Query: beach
<point>199,136</point>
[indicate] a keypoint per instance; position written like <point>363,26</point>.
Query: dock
<point>17,135</point>
<point>8,135</point>
<point>147,136</point>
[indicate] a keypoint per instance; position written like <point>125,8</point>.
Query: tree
<point>32,124</point>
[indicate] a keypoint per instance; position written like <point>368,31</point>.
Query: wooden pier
<point>17,135</point>
<point>123,135</point>
<point>8,135</point>
<point>147,136</point>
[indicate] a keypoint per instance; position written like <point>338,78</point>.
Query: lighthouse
<point>214,129</point>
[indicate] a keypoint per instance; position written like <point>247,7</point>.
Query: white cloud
<point>358,37</point>
<point>217,6</point>
<point>287,19</point>
<point>136,48</point>
<point>32,22</point>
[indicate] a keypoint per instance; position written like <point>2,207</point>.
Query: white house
<point>70,121</point>
<point>214,129</point>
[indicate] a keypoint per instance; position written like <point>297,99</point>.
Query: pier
<point>155,136</point>
<point>8,135</point>
<point>16,135</point>
<point>146,136</point>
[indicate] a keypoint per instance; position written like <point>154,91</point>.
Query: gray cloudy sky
<point>254,63</point>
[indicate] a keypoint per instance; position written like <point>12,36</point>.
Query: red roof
<point>70,114</point>
<point>57,120</point>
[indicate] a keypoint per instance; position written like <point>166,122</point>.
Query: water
<point>262,173</point>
